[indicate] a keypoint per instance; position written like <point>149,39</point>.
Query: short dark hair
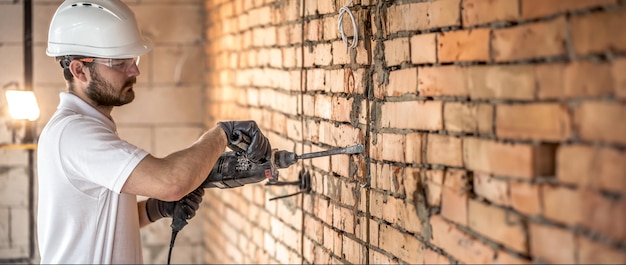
<point>64,61</point>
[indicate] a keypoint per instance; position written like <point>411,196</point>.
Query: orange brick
<point>428,115</point>
<point>525,198</point>
<point>503,257</point>
<point>443,13</point>
<point>596,167</point>
<point>413,148</point>
<point>444,150</point>
<point>463,45</point>
<point>341,55</point>
<point>495,82</point>
<point>376,257</point>
<point>606,216</point>
<point>494,190</point>
<point>442,81</point>
<point>401,82</point>
<point>497,224</point>
<point>433,181</point>
<point>618,67</point>
<point>423,48</point>
<point>432,257</point>
<point>587,79</point>
<point>392,147</point>
<point>397,51</point>
<point>591,252</point>
<point>458,244</point>
<point>480,11</point>
<point>599,32</point>
<point>468,117</point>
<point>323,106</point>
<point>538,8</point>
<point>323,54</point>
<point>561,204</point>
<point>404,246</point>
<point>540,121</point>
<point>549,244</point>
<point>342,109</point>
<point>454,205</point>
<point>353,251</point>
<point>601,121</point>
<point>535,40</point>
<point>515,160</point>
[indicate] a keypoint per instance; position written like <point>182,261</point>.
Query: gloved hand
<point>157,209</point>
<point>259,149</point>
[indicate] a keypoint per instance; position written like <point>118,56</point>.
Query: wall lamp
<point>24,111</point>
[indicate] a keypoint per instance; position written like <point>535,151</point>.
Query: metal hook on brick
<point>303,183</point>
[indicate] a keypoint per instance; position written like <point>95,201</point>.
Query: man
<point>89,178</point>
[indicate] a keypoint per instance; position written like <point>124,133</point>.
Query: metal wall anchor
<point>303,183</point>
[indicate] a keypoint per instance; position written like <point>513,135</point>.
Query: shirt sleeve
<point>92,152</point>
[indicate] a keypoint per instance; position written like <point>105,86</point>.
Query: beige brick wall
<point>167,114</point>
<point>493,130</point>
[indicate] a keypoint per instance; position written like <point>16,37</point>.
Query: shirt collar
<point>75,104</point>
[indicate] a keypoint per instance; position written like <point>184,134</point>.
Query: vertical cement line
<point>302,120</point>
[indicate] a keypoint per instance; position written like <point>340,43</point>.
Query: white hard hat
<point>98,28</point>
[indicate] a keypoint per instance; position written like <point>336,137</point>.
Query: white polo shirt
<point>82,166</point>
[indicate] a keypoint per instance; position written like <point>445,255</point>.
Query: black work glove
<point>157,209</point>
<point>259,149</point>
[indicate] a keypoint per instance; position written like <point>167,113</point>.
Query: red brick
<point>525,198</point>
<point>323,106</point>
<point>429,115</point>
<point>515,160</point>
<point>539,121</point>
<point>463,45</point>
<point>397,51</point>
<point>377,202</point>
<point>412,176</point>
<point>457,179</point>
<point>401,82</point>
<point>480,11</point>
<point>423,48</point>
<point>618,68</point>
<point>404,246</point>
<point>393,147</point>
<point>604,215</point>
<point>599,32</point>
<point>444,150</point>
<point>561,204</point>
<point>458,244</point>
<point>494,190</point>
<point>468,117</point>
<point>498,224</point>
<point>591,252</point>
<point>489,82</point>
<point>541,39</point>
<point>601,121</point>
<point>596,167</point>
<point>442,81</point>
<point>538,8</point>
<point>549,244</point>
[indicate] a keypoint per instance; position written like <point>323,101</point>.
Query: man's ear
<point>79,70</point>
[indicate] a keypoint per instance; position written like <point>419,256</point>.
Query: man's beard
<point>104,94</point>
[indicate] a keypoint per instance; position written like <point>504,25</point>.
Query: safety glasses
<point>122,65</point>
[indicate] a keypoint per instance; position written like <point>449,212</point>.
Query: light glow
<point>22,105</point>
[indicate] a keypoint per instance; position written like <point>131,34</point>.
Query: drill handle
<point>178,218</point>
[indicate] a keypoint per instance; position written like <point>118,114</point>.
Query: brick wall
<point>494,130</point>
